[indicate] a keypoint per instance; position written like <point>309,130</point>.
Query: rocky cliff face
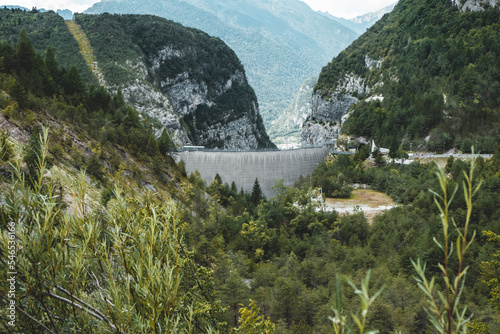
<point>329,111</point>
<point>474,5</point>
<point>188,82</point>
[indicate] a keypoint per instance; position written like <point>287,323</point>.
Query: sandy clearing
<point>371,202</point>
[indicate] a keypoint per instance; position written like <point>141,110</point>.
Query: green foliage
<point>257,194</point>
<point>335,178</point>
<point>165,142</point>
<point>252,323</point>
<point>446,314</point>
<point>95,168</point>
<point>289,250</point>
<point>63,93</point>
<point>6,150</point>
<point>490,271</point>
<point>283,253</point>
<point>127,270</point>
<point>44,30</point>
<point>34,153</point>
<point>339,321</point>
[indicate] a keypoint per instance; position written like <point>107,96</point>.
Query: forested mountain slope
<point>427,74</point>
<point>280,43</point>
<point>44,29</point>
<point>184,80</point>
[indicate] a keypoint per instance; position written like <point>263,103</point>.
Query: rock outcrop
<point>328,111</point>
<point>474,5</point>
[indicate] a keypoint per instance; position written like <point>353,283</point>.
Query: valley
<point>140,191</point>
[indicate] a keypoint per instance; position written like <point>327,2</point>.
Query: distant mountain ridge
<point>280,43</point>
<point>64,13</point>
<point>360,23</point>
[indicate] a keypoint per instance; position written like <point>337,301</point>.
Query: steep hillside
<point>280,43</point>
<point>44,29</point>
<point>427,74</point>
<point>102,232</point>
<point>81,176</point>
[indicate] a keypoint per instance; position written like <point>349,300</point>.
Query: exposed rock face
<point>474,5</point>
<point>187,93</point>
<point>146,99</point>
<point>235,135</point>
<point>331,108</point>
<point>315,133</point>
<point>329,113</point>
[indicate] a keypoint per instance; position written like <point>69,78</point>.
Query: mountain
<point>360,23</point>
<point>280,43</point>
<point>70,156</point>
<point>184,80</point>
<point>64,13</point>
<point>426,75</point>
<point>286,130</point>
<point>193,83</point>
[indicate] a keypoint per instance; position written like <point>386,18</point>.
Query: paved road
<point>447,155</point>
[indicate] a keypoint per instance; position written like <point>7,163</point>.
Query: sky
<point>340,8</point>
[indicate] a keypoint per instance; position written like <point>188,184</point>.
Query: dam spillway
<point>244,167</point>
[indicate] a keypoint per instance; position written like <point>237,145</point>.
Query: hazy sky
<point>341,8</point>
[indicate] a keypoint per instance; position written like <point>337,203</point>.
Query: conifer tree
<point>257,194</point>
<point>51,64</point>
<point>118,100</point>
<point>73,84</point>
<point>218,178</point>
<point>165,143</point>
<point>152,146</point>
<point>25,52</point>
<point>234,189</point>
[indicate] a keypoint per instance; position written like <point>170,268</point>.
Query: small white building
<point>383,151</point>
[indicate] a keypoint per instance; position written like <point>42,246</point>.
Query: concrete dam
<point>243,167</point>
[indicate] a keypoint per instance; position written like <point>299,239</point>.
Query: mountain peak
<point>372,17</point>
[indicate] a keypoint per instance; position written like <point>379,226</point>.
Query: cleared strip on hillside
<point>86,50</point>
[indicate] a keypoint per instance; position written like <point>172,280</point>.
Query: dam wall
<point>244,167</point>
